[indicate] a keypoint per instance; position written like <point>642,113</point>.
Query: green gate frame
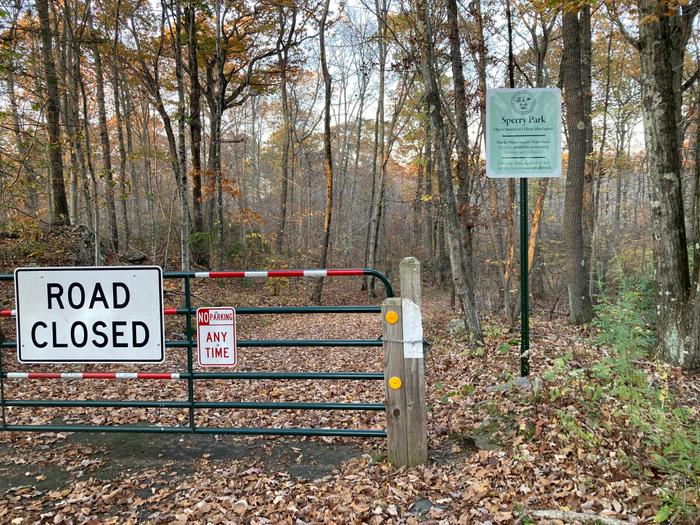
<point>191,376</point>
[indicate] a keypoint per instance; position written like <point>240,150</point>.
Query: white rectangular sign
<point>90,315</point>
<point>216,336</point>
<point>412,330</point>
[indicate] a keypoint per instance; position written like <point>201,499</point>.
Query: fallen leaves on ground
<point>494,452</point>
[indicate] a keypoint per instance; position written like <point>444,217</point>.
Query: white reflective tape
<point>13,313</point>
<point>17,375</point>
<point>315,273</point>
<point>71,375</point>
<point>255,274</point>
<point>200,275</point>
<point>125,375</point>
<point>412,330</point>
<point>175,376</point>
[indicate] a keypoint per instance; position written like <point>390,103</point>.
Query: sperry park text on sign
<point>523,133</point>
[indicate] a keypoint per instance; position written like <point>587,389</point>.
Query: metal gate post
<point>404,371</point>
<point>190,344</point>
<point>3,420</point>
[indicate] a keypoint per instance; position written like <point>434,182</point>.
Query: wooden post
<point>409,271</point>
<point>394,382</point>
<point>404,374</point>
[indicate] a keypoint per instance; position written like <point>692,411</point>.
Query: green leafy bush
<point>636,383</point>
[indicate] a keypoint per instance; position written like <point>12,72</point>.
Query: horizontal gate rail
<point>351,376</point>
<point>243,405</point>
<point>188,311</point>
<point>241,431</point>
<point>269,343</point>
<point>268,310</point>
<point>271,274</point>
<point>92,375</point>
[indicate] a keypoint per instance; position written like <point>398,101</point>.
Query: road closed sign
<point>523,133</point>
<point>90,315</point>
<point>216,336</point>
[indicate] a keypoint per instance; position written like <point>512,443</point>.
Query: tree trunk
<point>176,146</point>
<point>458,259</point>
<point>535,226</point>
<point>199,245</point>
<point>580,307</point>
<point>91,167</point>
<point>372,199</point>
<point>380,145</point>
<point>662,45</point>
<point>599,171</point>
<point>466,215</point>
<point>696,194</point>
<point>32,199</point>
<point>505,247</point>
<point>59,204</point>
<point>181,150</point>
<point>73,56</point>
<point>327,152</point>
<point>135,184</point>
<point>215,153</point>
<point>427,201</point>
<point>123,192</point>
<point>63,63</point>
<point>148,173</point>
<point>283,59</point>
<point>620,151</point>
<point>418,198</point>
<point>106,148</point>
<point>358,144</point>
<point>588,172</point>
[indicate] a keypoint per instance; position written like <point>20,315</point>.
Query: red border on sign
<point>235,337</point>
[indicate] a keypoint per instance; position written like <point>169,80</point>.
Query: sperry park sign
<point>523,133</point>
<point>523,140</point>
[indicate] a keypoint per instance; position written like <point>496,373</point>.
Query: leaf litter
<point>493,453</point>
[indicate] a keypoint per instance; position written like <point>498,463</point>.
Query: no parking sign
<point>216,336</point>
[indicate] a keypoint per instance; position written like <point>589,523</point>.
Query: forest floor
<point>496,455</point>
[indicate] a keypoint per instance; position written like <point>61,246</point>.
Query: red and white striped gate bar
<point>12,313</point>
<point>280,273</point>
<point>90,375</point>
<point>255,274</point>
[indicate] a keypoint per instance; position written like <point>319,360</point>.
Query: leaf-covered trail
<point>492,453</point>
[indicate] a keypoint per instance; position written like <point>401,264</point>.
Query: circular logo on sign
<point>523,102</point>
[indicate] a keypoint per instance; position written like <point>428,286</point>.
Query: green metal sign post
<point>523,140</point>
<point>524,284</point>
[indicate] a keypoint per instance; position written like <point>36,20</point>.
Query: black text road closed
<point>89,315</point>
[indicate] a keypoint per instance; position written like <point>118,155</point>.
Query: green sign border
<point>541,97</point>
